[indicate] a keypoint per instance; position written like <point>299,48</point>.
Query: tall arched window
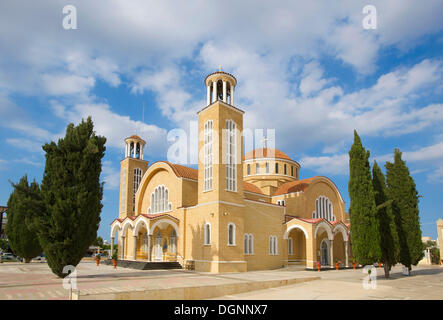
<point>208,156</point>
<point>285,169</point>
<point>276,167</point>
<point>257,168</point>
<point>231,234</point>
<point>249,169</point>
<point>160,200</point>
<point>267,167</point>
<point>273,245</point>
<point>248,240</point>
<point>290,243</point>
<point>231,149</point>
<point>324,209</point>
<point>137,179</point>
<point>207,233</point>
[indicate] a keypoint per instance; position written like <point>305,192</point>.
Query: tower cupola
<point>134,147</point>
<point>220,86</point>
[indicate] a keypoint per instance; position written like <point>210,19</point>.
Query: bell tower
<point>132,169</point>
<point>220,126</point>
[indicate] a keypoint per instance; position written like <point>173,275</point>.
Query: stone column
<point>135,150</point>
<point>150,247</point>
<point>224,91</point>
<point>208,95</point>
<point>135,247</point>
<point>112,246</point>
<point>122,251</point>
<point>214,83</point>
<point>232,95</point>
<point>347,253</point>
<point>331,250</point>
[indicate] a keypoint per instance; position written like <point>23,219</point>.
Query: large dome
<point>266,153</point>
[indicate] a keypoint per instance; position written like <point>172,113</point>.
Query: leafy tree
<point>388,232</point>
<point>3,245</point>
<point>98,242</point>
<point>364,225</point>
<point>401,189</point>
<point>72,194</point>
<point>22,239</point>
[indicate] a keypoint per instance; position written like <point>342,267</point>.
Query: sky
<point>308,69</point>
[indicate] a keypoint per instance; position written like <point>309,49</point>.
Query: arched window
<point>231,234</point>
<point>276,168</point>
<point>292,170</point>
<point>248,240</point>
<point>137,179</point>
<point>208,156</point>
<point>207,233</point>
<point>257,168</point>
<point>290,249</point>
<point>173,241</point>
<point>160,200</point>
<point>267,167</point>
<point>273,246</point>
<point>249,169</point>
<point>231,149</point>
<point>285,169</point>
<point>324,209</point>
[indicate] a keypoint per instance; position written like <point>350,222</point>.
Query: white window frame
<point>137,179</point>
<point>248,243</point>
<point>324,209</point>
<point>273,245</point>
<point>160,200</point>
<point>231,153</point>
<point>208,155</point>
<point>233,234</point>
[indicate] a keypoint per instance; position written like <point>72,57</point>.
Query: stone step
<point>145,265</point>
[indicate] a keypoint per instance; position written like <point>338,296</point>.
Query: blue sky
<point>308,70</point>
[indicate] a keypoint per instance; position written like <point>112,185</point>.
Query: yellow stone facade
<point>227,216</point>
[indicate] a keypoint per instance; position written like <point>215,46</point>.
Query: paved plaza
<point>36,281</point>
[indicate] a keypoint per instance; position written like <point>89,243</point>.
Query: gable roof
<point>183,171</point>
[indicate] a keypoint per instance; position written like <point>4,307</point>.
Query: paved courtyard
<point>36,281</point>
<point>426,283</point>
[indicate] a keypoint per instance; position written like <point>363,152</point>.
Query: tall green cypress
<point>72,195</point>
<point>22,239</point>
<point>365,234</point>
<point>401,189</point>
<point>388,232</point>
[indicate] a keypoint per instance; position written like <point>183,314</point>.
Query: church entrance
<point>158,249</point>
<point>324,250</point>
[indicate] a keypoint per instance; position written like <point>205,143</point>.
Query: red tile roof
<point>294,186</point>
<point>183,171</point>
<point>251,187</point>
<point>265,153</point>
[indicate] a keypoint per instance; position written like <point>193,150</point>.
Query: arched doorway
<point>158,247</point>
<point>324,253</point>
<point>296,247</point>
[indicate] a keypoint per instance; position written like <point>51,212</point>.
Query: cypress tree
<point>401,189</point>
<point>71,195</point>
<point>388,232</point>
<point>22,239</point>
<point>364,225</point>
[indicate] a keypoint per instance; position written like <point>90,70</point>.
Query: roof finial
<point>219,67</point>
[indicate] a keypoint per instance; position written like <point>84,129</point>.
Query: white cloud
<point>335,164</point>
<point>66,84</point>
<point>111,176</point>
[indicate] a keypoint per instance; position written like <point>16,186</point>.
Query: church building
<point>237,212</point>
